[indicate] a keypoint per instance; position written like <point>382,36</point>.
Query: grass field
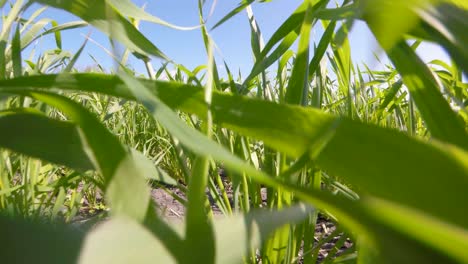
<point>308,151</point>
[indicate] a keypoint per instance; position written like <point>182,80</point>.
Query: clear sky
<point>186,47</point>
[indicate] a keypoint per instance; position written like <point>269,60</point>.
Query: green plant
<point>402,201</point>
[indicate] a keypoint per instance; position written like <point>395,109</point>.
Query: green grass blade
<point>33,34</point>
<point>391,232</point>
<point>121,240</point>
<point>32,242</point>
<point>257,44</point>
<point>108,20</point>
<point>31,19</point>
<point>77,55</point>
<point>321,49</point>
<point>297,130</point>
<point>342,64</point>
<point>425,91</point>
<point>390,95</point>
<point>128,196</point>
<point>282,70</point>
<point>16,53</point>
<point>57,35</point>
<point>340,13</point>
<point>291,24</point>
<point>256,38</point>
<point>384,228</point>
<point>49,139</point>
<point>129,9</point>
<point>188,136</point>
<point>149,170</point>
<point>287,33</point>
<point>447,24</point>
<point>3,59</point>
<point>262,63</point>
<point>29,33</point>
<point>199,231</point>
<point>238,234</point>
<point>241,6</point>
<point>390,20</point>
<point>7,22</point>
<point>298,85</point>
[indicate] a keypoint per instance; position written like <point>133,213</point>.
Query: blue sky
<point>232,38</point>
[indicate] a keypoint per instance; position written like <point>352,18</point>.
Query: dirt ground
<point>173,210</point>
<point>325,237</point>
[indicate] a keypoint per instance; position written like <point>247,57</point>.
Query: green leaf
<point>321,49</point>
<point>298,85</point>
<point>390,20</point>
<point>241,6</point>
<point>123,240</point>
<point>256,38</point>
<point>33,34</point>
<point>8,21</point>
<point>263,62</point>
<point>446,24</point>
<point>396,174</point>
<point>57,34</point>
<point>363,154</point>
<point>340,13</point>
<point>16,53</point>
<point>36,135</point>
<point>3,59</point>
<point>32,242</point>
<point>393,233</point>
<point>129,9</point>
<point>127,196</point>
<point>288,33</point>
<point>150,171</point>
<point>237,235</point>
<point>199,235</point>
<point>108,20</point>
<point>188,136</point>
<point>59,142</point>
<point>390,95</point>
<point>73,60</point>
<point>440,119</point>
<point>291,24</point>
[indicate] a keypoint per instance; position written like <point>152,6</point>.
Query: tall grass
<point>382,154</point>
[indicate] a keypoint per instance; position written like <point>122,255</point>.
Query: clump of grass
<point>364,148</point>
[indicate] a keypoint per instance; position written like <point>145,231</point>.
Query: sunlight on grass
<point>309,158</point>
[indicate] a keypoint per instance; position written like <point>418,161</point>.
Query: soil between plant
<point>172,210</point>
